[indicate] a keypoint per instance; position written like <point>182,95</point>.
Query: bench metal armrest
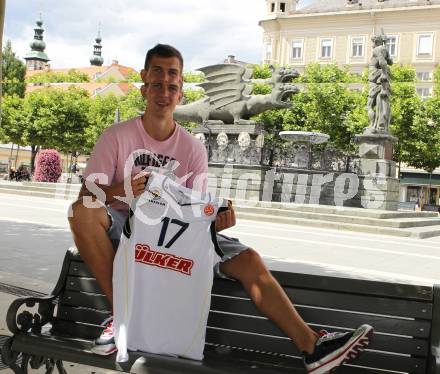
<point>26,320</point>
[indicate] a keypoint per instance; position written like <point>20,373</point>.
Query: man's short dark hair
<point>162,50</point>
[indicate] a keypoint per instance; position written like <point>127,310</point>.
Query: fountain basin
<point>305,137</point>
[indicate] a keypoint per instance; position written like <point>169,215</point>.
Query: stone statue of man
<point>378,104</point>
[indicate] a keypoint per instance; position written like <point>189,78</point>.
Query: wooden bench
<point>61,326</point>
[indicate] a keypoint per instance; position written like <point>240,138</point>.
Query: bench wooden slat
<point>403,345</point>
<point>385,361</point>
<point>79,269</point>
<point>384,324</point>
<point>83,315</point>
<point>77,330</point>
<point>85,300</point>
<point>327,299</point>
<point>357,286</point>
<point>82,284</point>
<point>371,359</point>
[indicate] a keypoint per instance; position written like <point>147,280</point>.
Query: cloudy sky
<point>205,31</point>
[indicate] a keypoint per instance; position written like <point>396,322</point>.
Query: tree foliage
<point>322,105</point>
<point>13,72</point>
<point>56,118</point>
<point>101,115</point>
<point>423,151</point>
<point>131,104</point>
<point>72,76</point>
<point>405,106</point>
<point>261,71</point>
<point>326,73</point>
<point>191,95</point>
<point>134,77</point>
<point>193,77</point>
<point>13,120</point>
<point>436,80</point>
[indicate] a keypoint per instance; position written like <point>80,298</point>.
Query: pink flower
<point>47,166</point>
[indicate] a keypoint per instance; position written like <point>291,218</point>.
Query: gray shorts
<point>230,247</point>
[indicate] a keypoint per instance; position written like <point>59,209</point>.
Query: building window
<point>424,45</point>
<point>297,49</point>
<point>357,47</point>
<point>425,76</point>
<point>268,53</point>
<point>391,45</point>
<point>424,92</point>
<point>282,7</point>
<point>326,48</point>
<point>413,194</point>
<point>272,7</point>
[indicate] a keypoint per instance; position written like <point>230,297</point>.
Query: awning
<point>420,181</point>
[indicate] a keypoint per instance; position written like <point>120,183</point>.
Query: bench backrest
<point>403,315</point>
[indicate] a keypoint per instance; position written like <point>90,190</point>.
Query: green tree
<point>13,72</point>
<point>131,105</point>
<point>191,95</point>
<point>423,151</point>
<point>193,77</point>
<point>56,119</point>
<point>134,77</point>
<point>72,76</point>
<point>101,114</point>
<point>324,104</point>
<point>436,80</point>
<point>261,89</point>
<point>261,71</point>
<point>13,120</point>
<point>326,74</point>
<point>405,105</point>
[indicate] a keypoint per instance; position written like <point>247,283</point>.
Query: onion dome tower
<point>37,59</point>
<point>97,59</point>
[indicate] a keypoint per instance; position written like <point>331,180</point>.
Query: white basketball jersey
<point>163,271</point>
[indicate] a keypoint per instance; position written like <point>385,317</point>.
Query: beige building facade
<point>340,31</point>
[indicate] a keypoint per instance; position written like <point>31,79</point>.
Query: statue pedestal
<point>377,171</point>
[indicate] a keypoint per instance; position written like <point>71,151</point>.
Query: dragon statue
<point>228,96</point>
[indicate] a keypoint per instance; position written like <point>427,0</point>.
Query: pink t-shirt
<point>125,149</point>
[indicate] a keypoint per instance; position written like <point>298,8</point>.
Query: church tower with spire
<point>97,59</point>
<point>37,59</point>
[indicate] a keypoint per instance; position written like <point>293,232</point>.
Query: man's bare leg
<point>89,228</point>
<point>269,297</point>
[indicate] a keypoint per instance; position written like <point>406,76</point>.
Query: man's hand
<point>138,183</point>
<point>225,219</point>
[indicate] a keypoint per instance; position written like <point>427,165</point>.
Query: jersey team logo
<point>208,210</point>
<point>145,255</point>
<point>155,193</point>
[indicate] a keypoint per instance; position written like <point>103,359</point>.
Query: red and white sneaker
<point>334,349</point>
<point>105,344</point>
